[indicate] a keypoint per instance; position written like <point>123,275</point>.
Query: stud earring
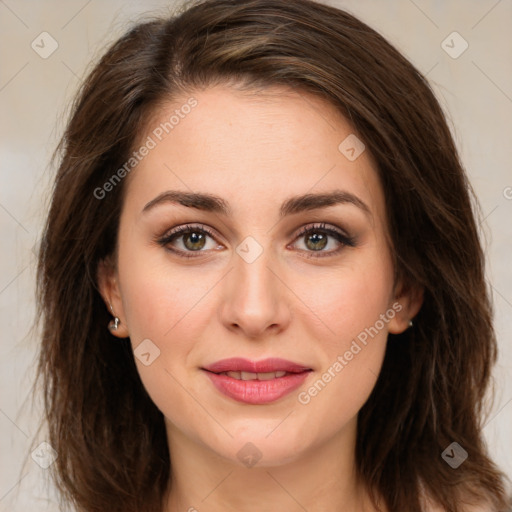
<point>410,323</point>
<point>113,324</point>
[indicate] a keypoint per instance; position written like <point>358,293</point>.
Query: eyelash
<point>321,227</point>
<point>342,238</point>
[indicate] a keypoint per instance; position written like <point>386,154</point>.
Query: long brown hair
<point>110,437</point>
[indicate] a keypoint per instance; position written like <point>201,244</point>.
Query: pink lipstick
<point>256,382</point>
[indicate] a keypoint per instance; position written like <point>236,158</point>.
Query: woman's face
<point>244,280</point>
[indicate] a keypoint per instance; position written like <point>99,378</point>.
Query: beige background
<point>475,89</point>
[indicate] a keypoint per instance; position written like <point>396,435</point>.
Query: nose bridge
<point>255,281</point>
<point>255,299</point>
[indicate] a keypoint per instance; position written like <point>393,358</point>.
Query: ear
<point>109,289</point>
<point>406,303</point>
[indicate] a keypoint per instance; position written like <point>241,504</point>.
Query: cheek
<point>166,307</point>
<point>160,299</point>
<point>353,305</point>
<point>345,300</point>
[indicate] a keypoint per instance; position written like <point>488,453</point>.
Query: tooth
<point>233,375</point>
<point>266,376</point>
<point>280,374</point>
<point>247,375</point>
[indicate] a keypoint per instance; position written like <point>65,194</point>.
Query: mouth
<point>255,376</point>
<point>256,382</point>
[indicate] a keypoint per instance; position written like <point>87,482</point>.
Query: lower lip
<point>257,392</point>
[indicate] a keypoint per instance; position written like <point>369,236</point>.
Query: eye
<point>318,237</point>
<point>188,239</point>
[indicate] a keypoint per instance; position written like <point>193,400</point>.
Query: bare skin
<point>301,299</point>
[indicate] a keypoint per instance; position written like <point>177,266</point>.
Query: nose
<point>255,299</point>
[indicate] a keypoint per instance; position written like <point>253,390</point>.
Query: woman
<point>261,282</point>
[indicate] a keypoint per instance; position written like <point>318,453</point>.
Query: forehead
<point>252,148</point>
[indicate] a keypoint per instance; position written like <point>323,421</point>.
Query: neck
<point>322,479</point>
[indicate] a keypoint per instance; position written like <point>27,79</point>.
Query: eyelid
<point>188,227</point>
<point>321,226</point>
<point>342,237</point>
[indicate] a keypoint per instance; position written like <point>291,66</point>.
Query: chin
<point>260,446</point>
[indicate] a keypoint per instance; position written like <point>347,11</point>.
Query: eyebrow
<point>293,205</point>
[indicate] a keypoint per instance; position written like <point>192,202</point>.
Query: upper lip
<point>272,364</point>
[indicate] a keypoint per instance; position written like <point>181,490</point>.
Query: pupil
<point>317,238</point>
<point>196,241</point>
